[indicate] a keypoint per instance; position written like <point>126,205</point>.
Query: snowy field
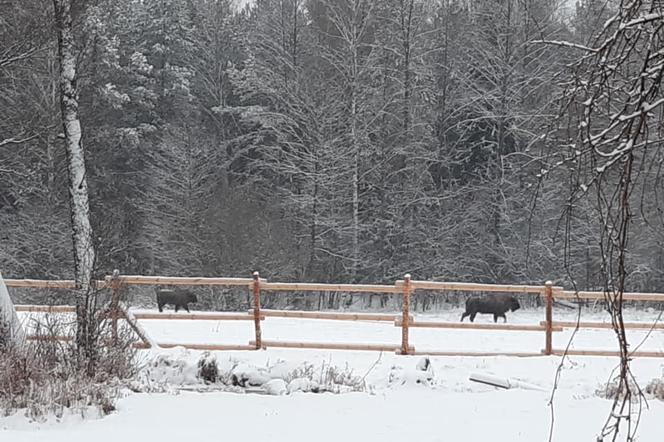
<point>448,407</point>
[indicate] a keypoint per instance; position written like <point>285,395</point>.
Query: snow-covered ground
<point>395,407</point>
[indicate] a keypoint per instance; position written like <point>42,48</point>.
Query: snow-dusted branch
<point>566,44</point>
<point>15,140</point>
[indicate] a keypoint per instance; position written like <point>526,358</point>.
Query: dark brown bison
<point>497,305</point>
<point>178,298</point>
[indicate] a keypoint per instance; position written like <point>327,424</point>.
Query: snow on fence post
<point>548,299</point>
<point>257,309</point>
<point>405,320</point>
<point>115,299</point>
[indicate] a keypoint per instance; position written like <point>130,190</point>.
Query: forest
<point>314,140</point>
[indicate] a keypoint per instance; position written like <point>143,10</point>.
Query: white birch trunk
<point>356,185</point>
<point>84,253</point>
<point>8,316</point>
<point>354,69</point>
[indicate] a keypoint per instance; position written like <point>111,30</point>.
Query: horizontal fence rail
<point>46,308</point>
<point>180,280</point>
<point>313,287</point>
<point>41,284</point>
<point>330,346</point>
<point>478,353</point>
<point>209,347</point>
<point>328,315</point>
<point>628,325</point>
<point>627,296</point>
<point>643,354</point>
<point>473,326</point>
<point>404,319</point>
<point>202,316</point>
<point>471,287</point>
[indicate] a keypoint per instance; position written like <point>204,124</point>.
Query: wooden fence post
<point>257,310</point>
<point>405,319</point>
<point>115,300</point>
<point>548,299</point>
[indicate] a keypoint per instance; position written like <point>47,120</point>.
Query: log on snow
<point>490,380</point>
<point>503,383</point>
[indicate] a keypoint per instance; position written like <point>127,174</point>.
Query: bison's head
<point>514,304</point>
<point>191,297</point>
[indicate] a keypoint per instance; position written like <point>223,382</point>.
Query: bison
<point>497,305</point>
<point>178,298</point>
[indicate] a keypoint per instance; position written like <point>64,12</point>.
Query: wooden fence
<point>405,287</point>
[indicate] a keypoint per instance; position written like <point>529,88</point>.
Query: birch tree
<point>87,320</point>
<point>82,236</point>
<point>348,53</point>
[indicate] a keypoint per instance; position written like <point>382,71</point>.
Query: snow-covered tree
<point>11,329</point>
<point>614,109</point>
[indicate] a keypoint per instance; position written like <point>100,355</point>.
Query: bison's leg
<point>186,307</point>
<point>504,318</point>
<point>495,317</point>
<point>161,307</point>
<point>472,316</point>
<point>464,315</point>
<point>177,307</point>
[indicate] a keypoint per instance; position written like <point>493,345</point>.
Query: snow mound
<point>421,375</point>
<point>275,387</point>
<point>245,375</point>
<point>303,385</point>
<point>179,369</point>
<point>168,370</point>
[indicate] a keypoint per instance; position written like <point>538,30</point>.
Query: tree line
<point>322,140</point>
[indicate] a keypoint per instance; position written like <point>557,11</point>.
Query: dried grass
<point>47,377</point>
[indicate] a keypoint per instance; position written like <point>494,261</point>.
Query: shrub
<point>614,389</point>
<point>656,388</point>
<point>208,370</point>
<point>49,376</point>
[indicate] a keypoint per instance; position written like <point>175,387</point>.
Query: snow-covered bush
<point>341,380</point>
<point>208,370</point>
<point>164,371</point>
<point>326,378</point>
<point>169,372</point>
<point>246,375</point>
<point>614,389</point>
<point>656,388</point>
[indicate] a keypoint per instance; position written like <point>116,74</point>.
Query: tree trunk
<point>87,324</point>
<point>84,253</point>
<point>354,71</point>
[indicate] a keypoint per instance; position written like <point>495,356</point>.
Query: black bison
<point>178,298</point>
<point>497,305</point>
